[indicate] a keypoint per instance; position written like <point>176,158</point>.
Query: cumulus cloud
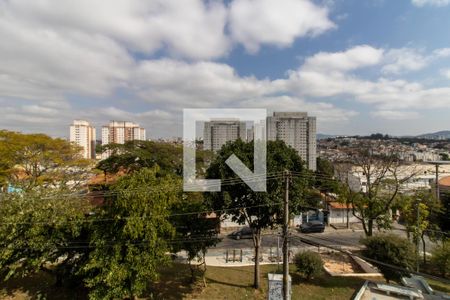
<point>325,112</point>
<point>437,3</point>
<point>395,115</point>
<point>353,58</point>
<point>446,73</point>
<point>189,28</point>
<point>196,84</point>
<point>334,75</point>
<point>403,60</point>
<point>276,22</point>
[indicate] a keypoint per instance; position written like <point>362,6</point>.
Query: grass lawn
<point>236,283</point>
<point>222,283</point>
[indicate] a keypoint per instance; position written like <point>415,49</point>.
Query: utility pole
<point>285,238</point>
<point>437,164</point>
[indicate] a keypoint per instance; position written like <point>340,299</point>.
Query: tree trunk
<point>369,227</point>
<point>192,271</point>
<point>257,242</point>
<point>424,250</point>
<point>348,225</point>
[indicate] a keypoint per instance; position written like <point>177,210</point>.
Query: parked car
<point>313,226</point>
<point>243,233</point>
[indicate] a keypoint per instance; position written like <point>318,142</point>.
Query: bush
<point>440,257</point>
<point>308,263</point>
<point>393,250</point>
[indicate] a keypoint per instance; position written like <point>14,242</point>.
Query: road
<point>331,237</point>
<point>271,240</point>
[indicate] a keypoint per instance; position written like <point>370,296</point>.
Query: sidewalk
<point>218,257</point>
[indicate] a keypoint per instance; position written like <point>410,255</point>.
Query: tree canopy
<point>390,250</point>
<point>29,160</point>
<point>131,246</point>
<point>257,209</point>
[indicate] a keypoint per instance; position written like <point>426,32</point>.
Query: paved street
<point>331,237</point>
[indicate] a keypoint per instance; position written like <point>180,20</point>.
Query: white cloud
<point>395,115</point>
<point>197,84</point>
<point>325,74</point>
<point>276,22</point>
<point>42,63</point>
<point>325,112</point>
<point>403,60</point>
<point>188,28</point>
<point>446,73</point>
<point>351,59</point>
<point>333,75</point>
<point>437,3</point>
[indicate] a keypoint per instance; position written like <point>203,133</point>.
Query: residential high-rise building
<point>83,134</point>
<point>250,134</point>
<point>119,132</point>
<point>297,130</point>
<point>216,133</point>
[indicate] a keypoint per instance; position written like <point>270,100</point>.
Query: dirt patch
<point>340,263</point>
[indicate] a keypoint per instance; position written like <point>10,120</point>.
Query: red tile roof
<point>339,205</point>
<point>445,181</point>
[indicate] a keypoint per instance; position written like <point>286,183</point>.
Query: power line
<point>120,218</point>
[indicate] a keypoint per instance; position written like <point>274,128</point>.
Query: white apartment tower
<point>119,132</point>
<point>83,134</point>
<point>297,130</point>
<point>216,133</point>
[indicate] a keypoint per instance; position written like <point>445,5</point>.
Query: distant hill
<point>440,135</point>
<point>321,136</point>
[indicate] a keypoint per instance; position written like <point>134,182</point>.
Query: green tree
<point>444,217</point>
<point>324,176</point>
<point>419,212</point>
<point>134,155</point>
<point>30,160</point>
<point>309,264</point>
<point>257,209</point>
<point>390,250</point>
<point>440,257</point>
<point>382,186</point>
<point>131,246</point>
<point>40,229</point>
<point>195,230</point>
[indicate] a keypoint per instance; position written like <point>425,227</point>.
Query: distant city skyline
<point>359,66</point>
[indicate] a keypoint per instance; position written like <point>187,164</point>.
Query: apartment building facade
<point>84,135</point>
<point>119,132</point>
<point>297,130</point>
<point>217,133</point>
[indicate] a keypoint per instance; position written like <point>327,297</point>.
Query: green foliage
<point>258,209</point>
<point>269,211</point>
<point>440,257</point>
<point>30,160</point>
<point>131,247</point>
<point>392,250</point>
<point>383,183</point>
<point>444,217</point>
<point>309,264</point>
<point>41,227</point>
<point>325,176</point>
<point>420,212</point>
<point>195,231</point>
<point>134,155</point>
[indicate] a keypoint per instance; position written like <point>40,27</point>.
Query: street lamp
<point>437,163</point>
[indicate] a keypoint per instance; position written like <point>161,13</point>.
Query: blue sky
<point>360,66</point>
